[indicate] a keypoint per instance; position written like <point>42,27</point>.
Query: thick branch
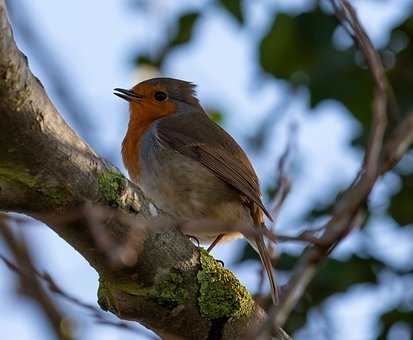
<point>48,172</point>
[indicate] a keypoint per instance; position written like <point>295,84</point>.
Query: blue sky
<point>94,42</point>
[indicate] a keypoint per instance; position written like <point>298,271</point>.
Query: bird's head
<point>158,97</point>
<point>150,100</point>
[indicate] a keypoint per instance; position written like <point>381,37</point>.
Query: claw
<point>221,262</point>
<point>194,239</point>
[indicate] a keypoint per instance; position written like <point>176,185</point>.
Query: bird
<point>189,166</point>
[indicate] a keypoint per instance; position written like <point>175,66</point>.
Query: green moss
<point>104,296</point>
<point>220,293</point>
<point>14,174</point>
<point>57,196</point>
<point>112,185</point>
<point>20,177</point>
<point>168,290</point>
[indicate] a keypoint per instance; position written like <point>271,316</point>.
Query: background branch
<point>30,285</point>
<point>349,210</point>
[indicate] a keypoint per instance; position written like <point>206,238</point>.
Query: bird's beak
<point>128,95</point>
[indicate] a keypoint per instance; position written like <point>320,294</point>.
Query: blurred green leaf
<point>334,276</point>
<point>338,276</point>
<point>185,25</point>
<point>248,253</point>
<point>401,74</point>
<point>300,49</point>
<point>234,7</point>
<point>397,315</point>
<point>401,206</point>
<point>216,116</point>
<point>392,317</point>
<point>145,60</point>
<point>320,210</point>
<point>184,32</point>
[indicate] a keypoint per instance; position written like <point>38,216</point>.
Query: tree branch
<point>49,173</point>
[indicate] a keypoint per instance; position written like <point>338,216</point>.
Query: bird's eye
<point>160,96</point>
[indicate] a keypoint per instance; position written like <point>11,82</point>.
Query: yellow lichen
<point>220,293</point>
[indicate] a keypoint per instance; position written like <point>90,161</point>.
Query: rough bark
<point>48,172</point>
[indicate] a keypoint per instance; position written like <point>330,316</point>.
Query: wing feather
<point>200,139</point>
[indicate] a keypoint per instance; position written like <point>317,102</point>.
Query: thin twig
<point>283,183</point>
<point>283,187</point>
<point>30,285</point>
<point>347,16</point>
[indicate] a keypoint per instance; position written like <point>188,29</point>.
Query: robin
<point>188,165</point>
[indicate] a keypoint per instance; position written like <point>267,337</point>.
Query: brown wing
<point>196,136</point>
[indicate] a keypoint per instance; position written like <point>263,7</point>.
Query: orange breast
<point>142,115</point>
<point>130,146</point>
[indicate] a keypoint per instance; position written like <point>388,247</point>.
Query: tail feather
<point>260,247</point>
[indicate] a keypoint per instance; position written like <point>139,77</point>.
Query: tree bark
<point>48,172</point>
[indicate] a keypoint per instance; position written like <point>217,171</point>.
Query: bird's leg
<point>192,237</point>
<point>213,244</point>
